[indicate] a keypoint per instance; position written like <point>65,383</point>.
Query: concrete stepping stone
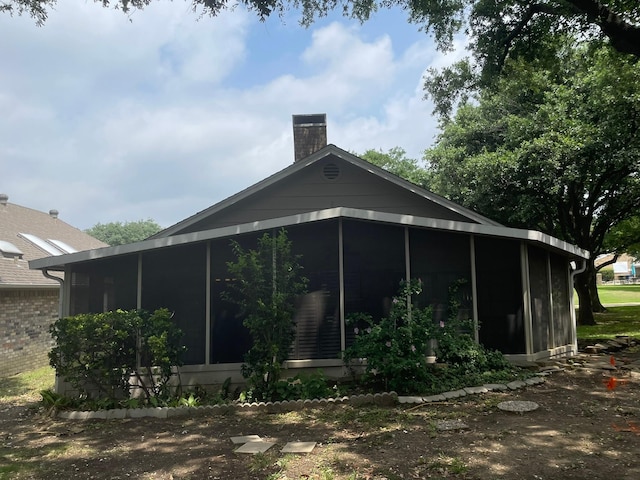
<point>255,447</point>
<point>246,439</point>
<point>448,425</point>
<point>299,447</point>
<point>518,406</point>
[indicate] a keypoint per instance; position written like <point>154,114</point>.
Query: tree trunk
<point>596,305</point>
<point>581,284</point>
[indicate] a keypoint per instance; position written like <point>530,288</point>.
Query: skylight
<point>40,243</point>
<point>9,250</point>
<point>66,248</point>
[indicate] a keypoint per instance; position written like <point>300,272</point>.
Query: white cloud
<point>112,120</point>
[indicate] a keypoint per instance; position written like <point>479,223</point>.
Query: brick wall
<point>25,316</point>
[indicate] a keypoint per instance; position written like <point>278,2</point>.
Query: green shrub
<point>267,283</point>
<point>304,386</point>
<point>392,351</point>
<point>607,274</point>
<point>100,354</point>
<point>394,347</point>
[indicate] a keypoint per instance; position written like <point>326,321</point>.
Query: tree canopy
<point>554,146</point>
<point>496,27</point>
<point>396,162</point>
<point>118,233</point>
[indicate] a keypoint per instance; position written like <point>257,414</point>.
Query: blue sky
<point>161,113</point>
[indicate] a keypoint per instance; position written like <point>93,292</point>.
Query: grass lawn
<point>619,294</point>
<point>26,386</point>
<point>616,321</point>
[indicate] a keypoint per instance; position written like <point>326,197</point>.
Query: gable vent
<point>331,171</point>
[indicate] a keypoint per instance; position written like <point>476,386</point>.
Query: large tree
<point>495,26</point>
<point>554,145</point>
<point>119,233</point>
<point>396,161</point>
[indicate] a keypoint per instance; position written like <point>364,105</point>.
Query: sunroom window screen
<point>174,278</point>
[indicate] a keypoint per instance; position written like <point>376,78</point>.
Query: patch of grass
<point>616,321</point>
<point>610,294</point>
<point>26,384</point>
<point>447,465</point>
<point>619,294</point>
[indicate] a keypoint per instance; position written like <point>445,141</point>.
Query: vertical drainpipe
<point>46,273</point>
<point>526,298</point>
<point>207,328</point>
<point>343,338</point>
<point>474,289</point>
<point>572,273</point>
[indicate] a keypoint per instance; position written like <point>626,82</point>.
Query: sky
<point>159,114</point>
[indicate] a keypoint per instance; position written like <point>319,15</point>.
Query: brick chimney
<point>309,134</point>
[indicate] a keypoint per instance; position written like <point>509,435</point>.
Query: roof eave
<point>59,262</point>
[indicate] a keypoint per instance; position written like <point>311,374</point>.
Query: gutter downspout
<point>46,273</point>
<point>574,323</point>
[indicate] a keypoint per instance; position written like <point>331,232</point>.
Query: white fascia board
<point>58,262</point>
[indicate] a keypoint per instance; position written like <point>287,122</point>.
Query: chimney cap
<point>54,213</point>
<point>4,198</point>
<point>303,120</point>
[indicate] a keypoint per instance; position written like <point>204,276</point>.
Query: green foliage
<point>53,401</point>
<point>607,274</point>
<point>304,386</point>
<point>624,237</point>
<point>118,233</point>
<point>553,146</point>
<point>267,282</point>
<point>100,354</point>
<point>396,162</point>
<point>395,348</point>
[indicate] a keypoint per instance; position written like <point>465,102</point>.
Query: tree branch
<point>624,36</point>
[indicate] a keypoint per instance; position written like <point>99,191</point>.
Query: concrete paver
<point>299,447</point>
<point>255,447</point>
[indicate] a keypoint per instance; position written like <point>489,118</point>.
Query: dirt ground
<point>582,430</point>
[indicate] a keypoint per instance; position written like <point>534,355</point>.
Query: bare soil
<point>582,430</point>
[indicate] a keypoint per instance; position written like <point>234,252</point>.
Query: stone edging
<point>488,387</point>
<point>381,399</point>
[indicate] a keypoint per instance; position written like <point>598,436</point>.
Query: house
<point>360,231</point>
<point>29,301</point>
<point>623,268</point>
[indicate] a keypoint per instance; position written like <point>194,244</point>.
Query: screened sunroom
<point>517,287</point>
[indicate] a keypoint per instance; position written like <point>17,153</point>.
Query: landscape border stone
<point>382,399</point>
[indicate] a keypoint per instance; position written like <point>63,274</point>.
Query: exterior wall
<point>25,316</point>
<point>311,190</point>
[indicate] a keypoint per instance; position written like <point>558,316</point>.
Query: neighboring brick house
<point>29,301</point>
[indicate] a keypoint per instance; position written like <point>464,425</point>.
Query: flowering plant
<point>394,347</point>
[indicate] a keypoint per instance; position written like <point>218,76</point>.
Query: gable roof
<point>17,223</point>
<point>336,153</point>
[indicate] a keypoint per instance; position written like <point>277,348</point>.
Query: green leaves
<point>267,282</point>
<point>118,233</point>
<point>100,353</point>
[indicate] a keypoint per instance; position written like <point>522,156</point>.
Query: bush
<point>267,283</point>
<point>100,354</point>
<point>392,351</point>
<point>394,347</point>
